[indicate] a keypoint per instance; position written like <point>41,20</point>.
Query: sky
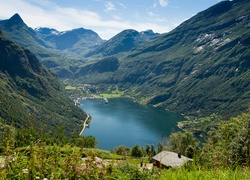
<point>105,17</point>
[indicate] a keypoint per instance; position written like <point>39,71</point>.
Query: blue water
<point>124,122</point>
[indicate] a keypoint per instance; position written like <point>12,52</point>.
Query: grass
<point>101,153</point>
<point>64,162</point>
<point>110,95</point>
<point>114,94</point>
<point>69,87</point>
<point>221,174</point>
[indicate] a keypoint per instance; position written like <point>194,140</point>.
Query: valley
<point>198,69</point>
<point>64,94</point>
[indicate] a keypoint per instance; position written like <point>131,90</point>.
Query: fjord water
<point>124,122</point>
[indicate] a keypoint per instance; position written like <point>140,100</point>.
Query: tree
<point>6,137</point>
<point>229,143</point>
<point>136,151</point>
<point>152,150</point>
<point>184,143</point>
<point>147,149</point>
<point>121,150</point>
<point>78,141</point>
<point>159,147</point>
<point>24,136</point>
<point>60,135</point>
<point>90,142</point>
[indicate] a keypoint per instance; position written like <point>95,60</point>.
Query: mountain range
<point>66,50</point>
<point>199,68</point>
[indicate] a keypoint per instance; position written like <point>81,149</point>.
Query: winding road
<point>84,125</point>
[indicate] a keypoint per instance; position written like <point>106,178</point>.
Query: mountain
<point>58,51</point>
<point>124,42</point>
<point>65,51</point>
<point>29,93</point>
<point>108,64</point>
<point>20,33</point>
<point>199,68</point>
<point>77,41</point>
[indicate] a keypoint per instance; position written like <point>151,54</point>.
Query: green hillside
<point>199,68</point>
<point>29,93</point>
<point>123,42</point>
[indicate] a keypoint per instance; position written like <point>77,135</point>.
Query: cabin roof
<point>171,159</point>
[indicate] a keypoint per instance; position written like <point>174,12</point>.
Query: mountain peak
<point>15,22</point>
<point>16,18</point>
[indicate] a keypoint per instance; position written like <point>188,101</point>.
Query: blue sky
<point>107,18</point>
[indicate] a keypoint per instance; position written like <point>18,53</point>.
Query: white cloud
<point>122,5</point>
<point>109,6</point>
<point>163,3</point>
<point>151,14</point>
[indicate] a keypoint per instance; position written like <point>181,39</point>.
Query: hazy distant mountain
<point>47,33</point>
<point>124,42</point>
<point>78,41</point>
<point>201,67</point>
<point>30,92</point>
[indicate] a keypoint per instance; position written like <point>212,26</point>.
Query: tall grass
<point>206,174</point>
<point>56,162</point>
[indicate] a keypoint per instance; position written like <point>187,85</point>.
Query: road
<point>84,125</point>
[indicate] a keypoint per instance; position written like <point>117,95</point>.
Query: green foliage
<point>128,171</point>
<point>39,158</point>
<point>136,151</point>
<point>228,144</point>
<point>24,137</point>
<point>184,143</point>
<point>200,126</point>
<point>7,139</point>
<point>89,142</point>
<point>160,147</point>
<point>198,173</point>
<point>150,150</point>
<point>121,150</point>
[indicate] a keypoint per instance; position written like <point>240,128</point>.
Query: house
<point>170,159</point>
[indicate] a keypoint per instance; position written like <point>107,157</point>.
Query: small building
<point>170,159</point>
